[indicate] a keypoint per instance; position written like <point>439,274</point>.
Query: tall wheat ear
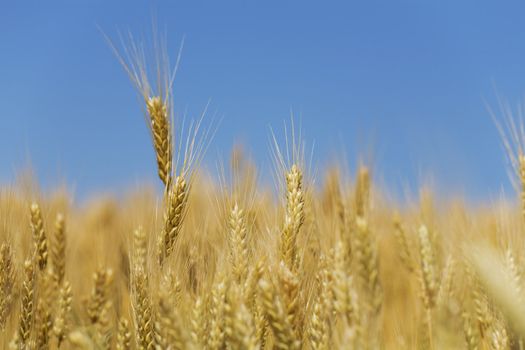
<point>289,172</point>
<point>176,161</point>
<point>235,200</point>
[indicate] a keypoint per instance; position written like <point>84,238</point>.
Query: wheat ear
<point>217,314</point>
<point>294,217</point>
<point>362,192</point>
<point>169,331</point>
<point>318,329</point>
<point>199,324</point>
<point>102,279</point>
<point>142,307</point>
<point>173,217</point>
<point>344,296</point>
<point>58,250</point>
<point>26,306</point>
<point>428,280</point>
<point>404,249</point>
<point>500,287</point>
<point>123,335</point>
<point>366,256</point>
<point>275,312</point>
<point>7,280</point>
<point>239,326</point>
<point>62,317</point>
<point>238,243</point>
<point>39,235</point>
<point>162,138</point>
<point>289,284</point>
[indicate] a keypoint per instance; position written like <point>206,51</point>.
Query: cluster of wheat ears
<point>224,265</point>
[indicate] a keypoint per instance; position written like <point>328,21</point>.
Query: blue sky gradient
<point>402,83</point>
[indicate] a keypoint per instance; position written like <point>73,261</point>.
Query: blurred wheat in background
<point>225,265</point>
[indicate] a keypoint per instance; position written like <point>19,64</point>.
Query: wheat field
<point>324,262</point>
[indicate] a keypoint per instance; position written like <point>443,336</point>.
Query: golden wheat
<point>200,265</point>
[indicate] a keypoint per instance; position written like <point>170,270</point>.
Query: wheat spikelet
<point>367,264</point>
<point>162,138</point>
<point>104,328</point>
<point>251,285</point>
<point>198,324</point>
<point>46,294</point>
<point>290,291</point>
<point>141,299</point>
<point>362,192</point>
<point>318,329</point>
<point>169,332</point>
<point>239,327</point>
<point>482,309</point>
<point>500,287</point>
<point>480,301</point>
<point>123,335</point>
<point>58,250</point>
<point>344,296</point>
<point>428,281</point>
<point>275,310</point>
<point>174,216</point>
<point>142,310</point>
<point>99,297</point>
<point>26,306</point>
<point>217,310</point>
<point>499,337</point>
<point>429,284</point>
<point>514,271</point>
<point>260,323</point>
<point>294,217</point>
<point>7,280</point>
<point>39,235</point>
<point>61,323</point>
<point>43,325</point>
<point>470,334</point>
<point>238,243</point>
<point>140,248</point>
<point>447,287</point>
<point>404,252</point>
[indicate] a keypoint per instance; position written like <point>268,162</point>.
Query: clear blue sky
<point>406,81</point>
